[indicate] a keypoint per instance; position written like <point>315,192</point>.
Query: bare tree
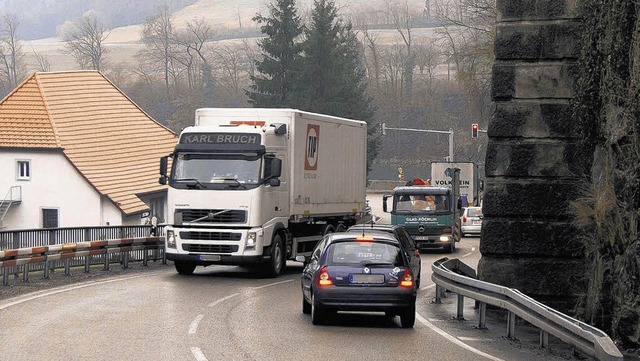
<point>11,55</point>
<point>191,43</point>
<point>43,62</point>
<point>85,41</point>
<point>159,39</point>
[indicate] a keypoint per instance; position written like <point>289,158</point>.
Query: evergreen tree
<point>331,78</point>
<point>280,52</point>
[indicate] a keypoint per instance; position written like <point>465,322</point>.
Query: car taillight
<point>464,219</point>
<point>324,279</point>
<point>407,280</point>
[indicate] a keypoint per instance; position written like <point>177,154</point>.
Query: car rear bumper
<point>471,229</point>
<point>365,298</point>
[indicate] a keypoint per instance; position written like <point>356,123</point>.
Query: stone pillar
<point>533,159</point>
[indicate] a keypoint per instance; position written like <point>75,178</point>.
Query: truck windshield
<point>230,170</point>
<point>421,203</point>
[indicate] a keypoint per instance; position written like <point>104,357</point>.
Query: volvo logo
<point>421,228</point>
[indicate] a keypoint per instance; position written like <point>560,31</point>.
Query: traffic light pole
<point>450,132</point>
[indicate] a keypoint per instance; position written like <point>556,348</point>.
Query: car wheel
<point>408,317</point>
<point>185,268</point>
<point>276,264</point>
<point>306,306</point>
<point>317,313</point>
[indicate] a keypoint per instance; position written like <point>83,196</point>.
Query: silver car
<point>471,220</point>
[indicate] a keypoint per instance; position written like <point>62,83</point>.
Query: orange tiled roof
<point>112,142</point>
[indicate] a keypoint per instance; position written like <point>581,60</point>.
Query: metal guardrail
<point>590,340</point>
<point>50,255</point>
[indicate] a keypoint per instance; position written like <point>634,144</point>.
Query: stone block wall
<point>533,159</point>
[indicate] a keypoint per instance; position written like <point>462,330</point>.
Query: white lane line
<point>427,287</point>
<point>193,327</point>
<point>467,255</point>
<point>21,299</point>
<point>272,284</point>
<point>475,339</point>
<point>453,339</point>
<point>197,353</point>
<point>212,304</point>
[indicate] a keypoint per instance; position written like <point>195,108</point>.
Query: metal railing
<point>590,340</point>
<point>24,251</point>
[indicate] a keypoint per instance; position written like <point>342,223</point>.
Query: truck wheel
<point>408,317</point>
<point>185,268</point>
<point>277,262</point>
<point>341,228</point>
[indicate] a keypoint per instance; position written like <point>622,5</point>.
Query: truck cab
<point>431,215</point>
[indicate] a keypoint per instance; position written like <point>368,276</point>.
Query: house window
<point>49,218</point>
<point>24,170</point>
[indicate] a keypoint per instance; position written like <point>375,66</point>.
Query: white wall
<point>55,184</point>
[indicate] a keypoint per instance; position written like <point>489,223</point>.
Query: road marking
<point>193,327</point>
<point>222,299</point>
<point>466,255</point>
<point>272,284</point>
<point>453,339</point>
<point>427,287</point>
<point>30,297</point>
<point>476,339</point>
<point>197,353</point>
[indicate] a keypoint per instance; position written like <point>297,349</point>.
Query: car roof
<point>375,226</point>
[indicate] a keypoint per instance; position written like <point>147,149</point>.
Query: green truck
<point>430,214</point>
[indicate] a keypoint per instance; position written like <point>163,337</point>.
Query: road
<point>228,313</point>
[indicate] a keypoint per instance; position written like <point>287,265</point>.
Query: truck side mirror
<point>276,168</point>
<point>272,170</point>
<point>384,203</point>
<point>459,203</point>
<point>163,170</point>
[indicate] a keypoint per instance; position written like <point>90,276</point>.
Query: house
<point>75,151</point>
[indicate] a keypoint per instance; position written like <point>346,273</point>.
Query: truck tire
<point>408,317</point>
<point>328,229</point>
<point>277,262</point>
<point>185,268</point>
<point>341,228</point>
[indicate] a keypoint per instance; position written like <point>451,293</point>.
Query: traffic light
<point>474,130</point>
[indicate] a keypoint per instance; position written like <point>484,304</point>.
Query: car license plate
<point>210,257</point>
<point>421,238</point>
<point>475,223</point>
<point>366,279</point>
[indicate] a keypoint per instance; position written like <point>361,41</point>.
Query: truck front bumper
<point>211,259</point>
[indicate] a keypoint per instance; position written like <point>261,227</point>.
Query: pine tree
<point>331,78</point>
<point>280,53</point>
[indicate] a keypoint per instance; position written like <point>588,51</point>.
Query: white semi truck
<point>256,187</point>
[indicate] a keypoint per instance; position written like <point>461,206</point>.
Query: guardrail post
<point>46,270</point>
<point>67,267</point>
<point>145,257</point>
<point>544,339</point>
<point>125,260</point>
<point>87,264</point>
<point>511,325</point>
<point>25,273</point>
<point>460,315</point>
<point>5,276</point>
<point>106,261</point>
<point>438,294</point>
<point>482,320</point>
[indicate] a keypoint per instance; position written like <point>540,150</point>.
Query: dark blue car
<point>351,272</point>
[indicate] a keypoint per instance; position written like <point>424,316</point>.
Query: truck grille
<point>210,248</point>
<point>211,236</point>
<point>233,216</point>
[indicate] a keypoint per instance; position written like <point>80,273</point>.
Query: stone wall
<point>533,159</point>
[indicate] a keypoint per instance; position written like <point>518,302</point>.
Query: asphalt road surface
<point>229,313</point>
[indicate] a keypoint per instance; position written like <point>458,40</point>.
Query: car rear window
<point>364,253</point>
<point>474,212</point>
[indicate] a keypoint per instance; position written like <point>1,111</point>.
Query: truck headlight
<point>445,238</point>
<point>251,240</point>
<point>171,239</point>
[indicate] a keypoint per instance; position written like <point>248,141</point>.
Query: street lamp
<point>384,129</point>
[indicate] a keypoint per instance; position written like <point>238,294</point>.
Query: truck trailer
<point>257,187</point>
